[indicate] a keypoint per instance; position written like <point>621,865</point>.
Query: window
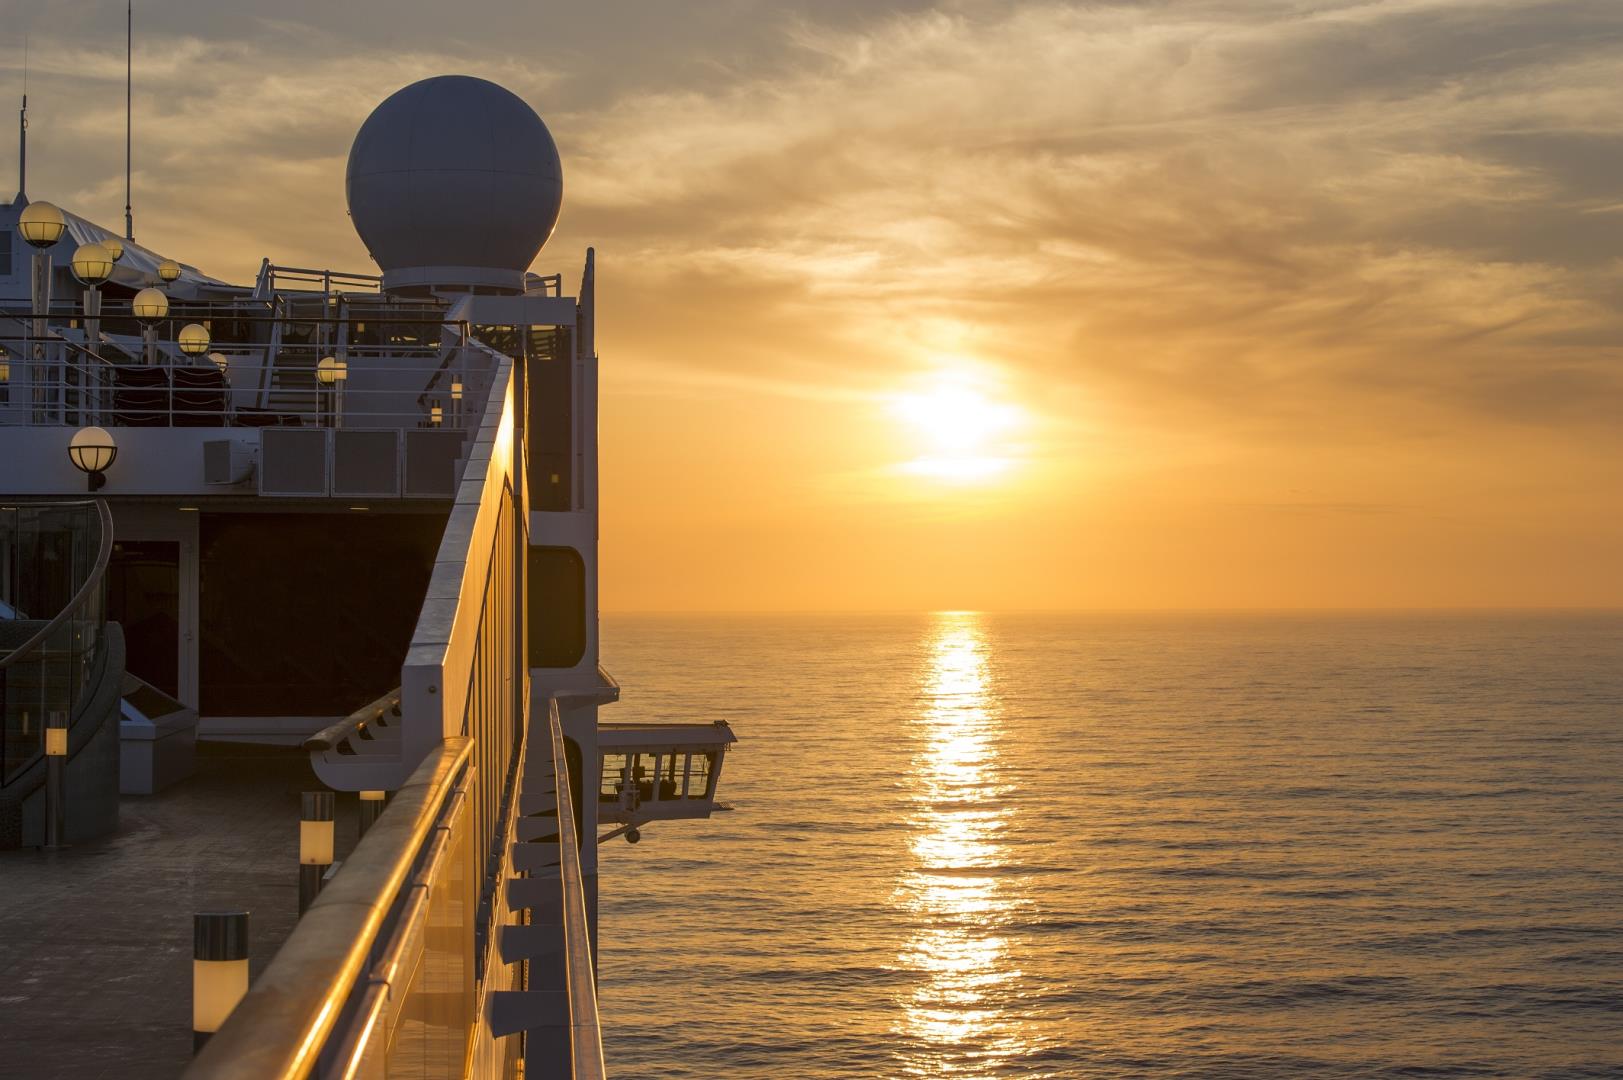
<point>613,777</point>
<point>557,607</point>
<point>5,252</point>
<point>700,766</point>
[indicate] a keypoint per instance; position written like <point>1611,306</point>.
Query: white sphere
<point>454,180</point>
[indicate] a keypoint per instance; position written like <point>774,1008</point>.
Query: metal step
<point>543,827</point>
<point>537,802</point>
<point>542,893</point>
<point>531,857</point>
<point>512,1011</point>
<point>532,942</point>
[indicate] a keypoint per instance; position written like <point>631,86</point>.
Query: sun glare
<point>962,432</point>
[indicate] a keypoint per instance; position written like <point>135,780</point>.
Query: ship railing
<point>402,964</point>
<point>580,973</point>
<point>384,386</point>
<point>53,599</point>
<point>273,278</point>
<point>377,977</point>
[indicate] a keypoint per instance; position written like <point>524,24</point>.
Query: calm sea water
<point>970,845</point>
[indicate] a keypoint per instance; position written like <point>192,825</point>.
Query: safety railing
<point>371,387</point>
<point>272,279</point>
<point>377,978</point>
<point>53,558</point>
<point>585,1032</point>
<point>393,969</point>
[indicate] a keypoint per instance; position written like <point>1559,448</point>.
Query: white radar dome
<point>454,181</point>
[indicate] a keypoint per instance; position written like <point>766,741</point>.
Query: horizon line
<point>1439,610</point>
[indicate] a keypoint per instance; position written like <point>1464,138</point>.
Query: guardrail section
<point>396,968</point>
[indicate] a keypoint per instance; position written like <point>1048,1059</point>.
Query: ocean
<point>971,845</point>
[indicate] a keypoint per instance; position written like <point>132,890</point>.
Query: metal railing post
<point>37,375</point>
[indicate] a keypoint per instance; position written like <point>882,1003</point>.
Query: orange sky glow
<point>971,305</point>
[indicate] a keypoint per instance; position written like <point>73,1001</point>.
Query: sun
<point>962,432</point>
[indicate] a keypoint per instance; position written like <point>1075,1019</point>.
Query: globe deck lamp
<point>114,246</point>
<point>42,224</point>
<point>331,370</point>
<point>92,450</point>
<point>169,270</point>
<point>193,339</point>
<point>150,305</point>
<point>92,264</point>
<point>221,361</point>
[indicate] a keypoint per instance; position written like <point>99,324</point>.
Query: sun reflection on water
<point>956,1017</point>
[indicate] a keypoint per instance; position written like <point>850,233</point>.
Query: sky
<point>1227,304</point>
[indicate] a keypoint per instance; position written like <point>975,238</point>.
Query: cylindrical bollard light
<point>371,807</point>
<point>56,756</point>
<point>315,844</point>
<point>219,970</point>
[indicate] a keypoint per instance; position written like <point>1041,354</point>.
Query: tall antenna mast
<point>22,134</point>
<point>129,38</point>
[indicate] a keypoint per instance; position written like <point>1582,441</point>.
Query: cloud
<point>1225,214</point>
<point>1242,209</point>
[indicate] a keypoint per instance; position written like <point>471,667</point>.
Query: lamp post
<point>92,265</point>
<point>193,339</point>
<point>92,451</point>
<point>148,307</point>
<point>219,970</point>
<point>56,754</point>
<point>315,844</point>
<point>42,225</point>
<point>371,808</point>
<point>332,373</point>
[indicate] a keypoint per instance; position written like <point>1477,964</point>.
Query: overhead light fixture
<point>92,451</point>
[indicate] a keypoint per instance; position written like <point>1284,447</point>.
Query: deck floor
<point>96,940</point>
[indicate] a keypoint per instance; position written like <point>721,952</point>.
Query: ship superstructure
<point>358,513</point>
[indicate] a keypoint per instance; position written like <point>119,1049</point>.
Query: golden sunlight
<point>952,886</point>
<point>961,431</point>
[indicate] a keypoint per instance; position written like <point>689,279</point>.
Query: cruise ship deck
<point>95,942</point>
<point>299,651</point>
